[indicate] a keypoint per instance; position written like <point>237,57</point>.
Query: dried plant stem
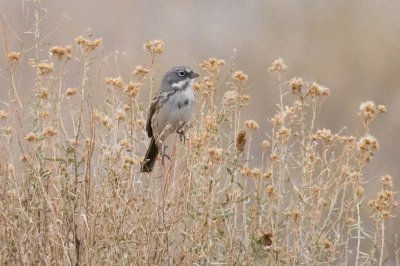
<point>382,241</point>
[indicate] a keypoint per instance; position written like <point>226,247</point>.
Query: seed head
<point>132,89</point>
<point>386,181</point>
<point>88,45</point>
<point>215,153</point>
<point>382,108</point>
<point>230,98</point>
<point>284,133</point>
<point>265,144</point>
<point>13,57</point>
<point>323,134</point>
<point>245,171</point>
<point>43,93</point>
<point>116,83</point>
<point>140,71</point>
<point>251,124</point>
<point>31,137</point>
<point>61,52</point>
<point>367,143</point>
<point>140,123</point>
<point>154,47</point>
<point>49,132</point>
<point>212,65</point>
<point>240,77</point>
<point>3,114</point>
<point>316,90</point>
<point>295,85</point>
<point>277,66</point>
<point>256,172</point>
<point>45,68</point>
<point>71,92</point>
<point>368,110</point>
<point>241,141</point>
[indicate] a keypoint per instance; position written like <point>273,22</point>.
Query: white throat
<point>183,84</point>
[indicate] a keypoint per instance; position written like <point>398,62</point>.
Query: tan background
<point>352,47</point>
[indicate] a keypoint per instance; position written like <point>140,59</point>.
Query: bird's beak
<point>194,75</point>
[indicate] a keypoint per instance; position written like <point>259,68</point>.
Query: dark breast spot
<point>183,104</point>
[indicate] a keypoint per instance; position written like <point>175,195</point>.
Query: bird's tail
<point>150,157</point>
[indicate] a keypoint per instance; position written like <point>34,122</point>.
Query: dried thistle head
<point>154,47</point>
<point>368,110</point>
<point>244,99</point>
<point>140,123</point>
<point>8,131</point>
<point>88,45</point>
<point>241,141</point>
<point>296,84</point>
<point>43,93</point>
<point>69,92</point>
<point>13,57</point>
<point>49,132</point>
<point>116,83</point>
<point>251,124</point>
<point>367,145</point>
<point>383,203</point>
<point>3,114</point>
<point>212,65</point>
<point>245,171</point>
<point>277,66</point>
<point>31,137</point>
<point>140,71</point>
<point>386,182</point>
<point>284,133</point>
<point>382,108</point>
<point>210,123</point>
<point>230,98</point>
<point>316,90</point>
<point>271,191</point>
<point>120,116</point>
<point>277,120</point>
<point>197,86</point>
<point>215,154</point>
<point>265,144</point>
<point>45,68</point>
<point>132,89</point>
<point>240,77</point>
<point>256,172</point>
<point>323,134</point>
<point>61,52</point>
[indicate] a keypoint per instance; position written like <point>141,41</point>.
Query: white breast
<point>175,113</point>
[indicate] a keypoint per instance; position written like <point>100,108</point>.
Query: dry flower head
<point>154,47</point>
<point>61,52</point>
<point>88,45</point>
<point>277,66</point>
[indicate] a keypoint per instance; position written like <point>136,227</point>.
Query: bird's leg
<point>182,136</point>
<point>164,155</point>
<point>181,132</point>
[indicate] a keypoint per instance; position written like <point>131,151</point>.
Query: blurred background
<point>351,47</point>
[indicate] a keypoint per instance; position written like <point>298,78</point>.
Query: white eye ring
<point>181,73</point>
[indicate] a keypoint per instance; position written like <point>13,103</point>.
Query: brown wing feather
<point>153,108</point>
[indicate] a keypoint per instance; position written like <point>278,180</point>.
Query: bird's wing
<point>153,108</point>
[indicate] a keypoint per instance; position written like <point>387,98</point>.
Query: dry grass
<point>71,190</point>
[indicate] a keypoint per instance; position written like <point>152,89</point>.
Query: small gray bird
<point>169,111</point>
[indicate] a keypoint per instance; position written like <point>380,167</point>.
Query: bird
<point>170,110</point>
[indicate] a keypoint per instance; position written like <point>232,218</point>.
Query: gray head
<point>178,77</point>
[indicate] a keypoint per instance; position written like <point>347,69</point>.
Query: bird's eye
<point>181,73</point>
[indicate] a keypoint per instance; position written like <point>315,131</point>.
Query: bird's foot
<point>182,136</point>
<point>164,155</point>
